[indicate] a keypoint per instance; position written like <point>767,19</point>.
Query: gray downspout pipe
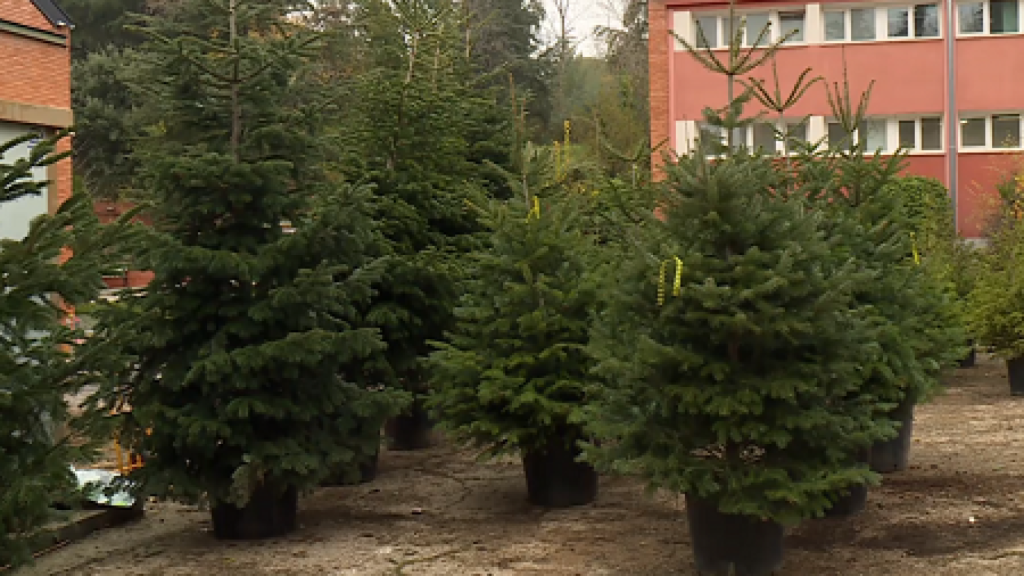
<point>952,118</point>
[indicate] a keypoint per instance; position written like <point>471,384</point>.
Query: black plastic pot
<point>269,513</point>
<point>410,431</point>
<point>1015,369</point>
<point>972,358</point>
<point>855,499</point>
<point>731,545</point>
<point>556,480</point>
<point>849,504</point>
<point>367,473</point>
<point>894,455</point>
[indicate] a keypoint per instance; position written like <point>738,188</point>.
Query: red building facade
<point>35,97</point>
<point>909,51</point>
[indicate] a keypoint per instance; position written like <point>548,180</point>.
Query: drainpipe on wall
<point>952,118</point>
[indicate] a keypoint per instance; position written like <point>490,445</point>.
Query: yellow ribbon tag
<point>558,161</point>
<point>677,285</point>
<point>535,211</point>
<point>913,246</point>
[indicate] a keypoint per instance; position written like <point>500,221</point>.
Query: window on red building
<point>971,17</point>
<point>1003,17</point>
<point>1006,131</point>
<point>792,26</point>
<point>1000,131</point>
<point>714,31</point>
<point>764,137</point>
<point>757,23</point>
<point>923,24</point>
<point>707,35</point>
<point>862,24</point>
<point>899,22</point>
<point>931,133</point>
<point>991,17</point>
<point>926,21</point>
<point>923,134</point>
<point>973,132</point>
<point>857,24</point>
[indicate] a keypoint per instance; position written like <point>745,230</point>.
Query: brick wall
<point>25,13</point>
<point>658,54</point>
<point>108,212</point>
<point>34,71</point>
<point>37,73</point>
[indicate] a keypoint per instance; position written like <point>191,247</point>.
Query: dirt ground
<point>437,512</point>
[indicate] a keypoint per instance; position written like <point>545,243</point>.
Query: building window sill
<point>988,36</point>
<point>879,41</point>
<point>986,150</point>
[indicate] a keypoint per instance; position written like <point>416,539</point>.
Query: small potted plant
<point>514,375</point>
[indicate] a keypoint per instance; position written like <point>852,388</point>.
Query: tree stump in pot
<point>555,479</point>
<point>270,512</point>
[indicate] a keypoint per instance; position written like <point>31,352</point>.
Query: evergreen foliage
<point>59,264</point>
<point>926,206</point>
<point>249,341</point>
<point>916,323</point>
<point>514,374</point>
<point>107,125</point>
<point>949,259</point>
<point>101,24</point>
<point>995,314</point>
<point>502,44</point>
<point>430,141</point>
<point>740,386</point>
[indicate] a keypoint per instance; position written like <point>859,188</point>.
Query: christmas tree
<point>917,327</point>
<point>57,265</point>
<point>427,138</point>
<point>250,338</point>
<point>731,345</point>
<point>514,374</point>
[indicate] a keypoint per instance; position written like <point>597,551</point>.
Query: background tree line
<point>533,86</point>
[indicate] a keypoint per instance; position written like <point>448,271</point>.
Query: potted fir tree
<point>55,264</point>
<point>514,375</point>
<point>429,136</point>
<point>916,331</point>
<point>928,212</point>
<point>730,351</point>
<point>996,315</point>
<point>245,332</point>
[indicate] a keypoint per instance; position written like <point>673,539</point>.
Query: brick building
<point>910,50</point>
<point>35,97</point>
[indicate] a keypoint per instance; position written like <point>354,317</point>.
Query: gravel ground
<point>437,512</point>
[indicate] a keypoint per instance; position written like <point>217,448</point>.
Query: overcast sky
<point>584,15</point>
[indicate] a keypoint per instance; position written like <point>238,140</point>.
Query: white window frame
<point>986,20</point>
<point>888,148</point>
<point>894,134</point>
<point>748,140</point>
<point>774,23</point>
<point>988,116</point>
<point>881,22</point>
<point>882,13</point>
